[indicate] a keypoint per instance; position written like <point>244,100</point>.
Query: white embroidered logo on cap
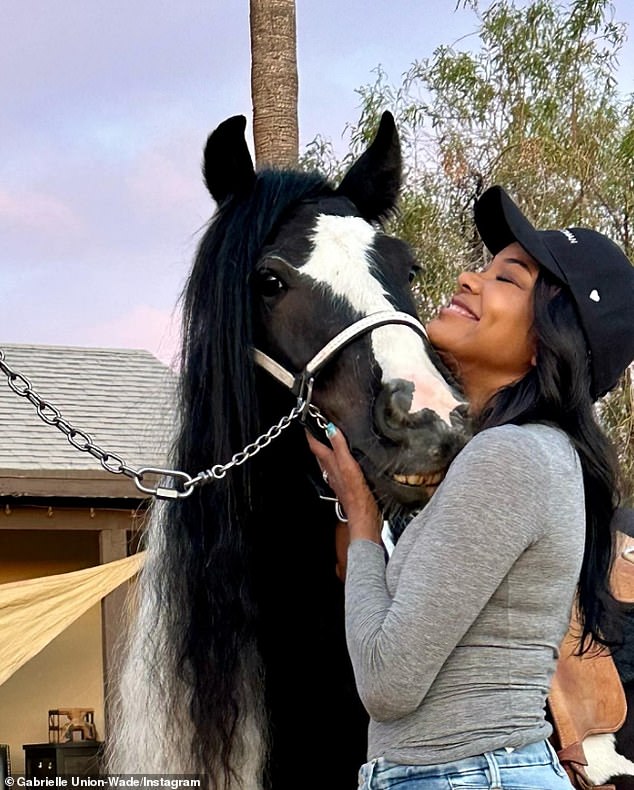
<point>594,295</point>
<point>569,235</point>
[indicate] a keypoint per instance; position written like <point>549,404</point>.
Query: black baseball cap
<point>596,271</point>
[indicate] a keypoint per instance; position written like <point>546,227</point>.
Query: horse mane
<point>219,408</point>
<point>198,638</point>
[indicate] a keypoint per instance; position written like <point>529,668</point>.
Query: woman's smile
<point>459,307</point>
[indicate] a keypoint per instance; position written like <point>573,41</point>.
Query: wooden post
<point>112,546</point>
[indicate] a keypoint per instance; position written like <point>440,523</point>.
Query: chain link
<point>114,464</point>
<point>219,471</point>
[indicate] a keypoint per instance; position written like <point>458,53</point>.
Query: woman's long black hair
<point>557,391</point>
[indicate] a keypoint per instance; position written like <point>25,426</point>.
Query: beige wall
<point>69,671</point>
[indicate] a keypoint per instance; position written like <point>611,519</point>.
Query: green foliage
<point>533,105</point>
<point>617,413</point>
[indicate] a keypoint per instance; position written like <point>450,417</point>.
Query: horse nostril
<point>460,417</point>
<point>462,409</point>
<point>394,420</point>
<point>391,409</point>
<point>397,407</point>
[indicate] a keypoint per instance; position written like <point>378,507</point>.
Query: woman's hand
<point>346,479</point>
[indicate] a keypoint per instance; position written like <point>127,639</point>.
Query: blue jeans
<point>533,767</point>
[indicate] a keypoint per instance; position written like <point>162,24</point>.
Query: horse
<point>298,307</point>
<point>610,755</point>
<point>591,700</point>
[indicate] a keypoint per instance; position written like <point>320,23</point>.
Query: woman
<point>454,643</point>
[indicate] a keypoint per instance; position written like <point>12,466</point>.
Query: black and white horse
<point>610,756</point>
<point>236,664</point>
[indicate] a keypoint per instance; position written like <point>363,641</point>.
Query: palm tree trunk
<point>274,82</point>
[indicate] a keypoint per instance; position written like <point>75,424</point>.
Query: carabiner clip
<point>163,491</point>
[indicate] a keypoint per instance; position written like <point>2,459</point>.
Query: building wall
<point>69,671</point>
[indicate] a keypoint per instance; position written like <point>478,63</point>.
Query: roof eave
<point>66,483</point>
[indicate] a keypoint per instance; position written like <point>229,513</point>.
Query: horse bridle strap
<point>301,384</point>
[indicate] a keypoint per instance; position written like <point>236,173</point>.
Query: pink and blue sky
<point>105,110</point>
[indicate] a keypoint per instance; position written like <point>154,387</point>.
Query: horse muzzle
<point>415,448</point>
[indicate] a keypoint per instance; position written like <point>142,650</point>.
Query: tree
<point>274,83</point>
<point>536,108</point>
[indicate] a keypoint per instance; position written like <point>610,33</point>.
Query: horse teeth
<point>410,480</point>
<point>419,480</point>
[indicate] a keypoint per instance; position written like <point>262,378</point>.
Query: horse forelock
<point>217,384</point>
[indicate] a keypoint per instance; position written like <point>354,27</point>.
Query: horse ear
<point>227,166</point>
<point>374,180</point>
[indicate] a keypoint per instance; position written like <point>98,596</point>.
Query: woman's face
<point>485,333</point>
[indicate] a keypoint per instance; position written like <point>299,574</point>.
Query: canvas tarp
<point>34,611</point>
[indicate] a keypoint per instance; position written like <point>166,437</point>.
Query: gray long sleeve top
<point>454,642</point>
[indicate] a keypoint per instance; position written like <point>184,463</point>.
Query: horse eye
<point>413,273</point>
<point>269,284</point>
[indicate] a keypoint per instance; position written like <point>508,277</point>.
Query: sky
<point>105,109</point>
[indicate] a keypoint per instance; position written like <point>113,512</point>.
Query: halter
<point>301,384</point>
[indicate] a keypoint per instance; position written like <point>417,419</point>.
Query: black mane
<point>219,416</point>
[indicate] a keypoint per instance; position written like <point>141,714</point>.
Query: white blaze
<point>342,260</point>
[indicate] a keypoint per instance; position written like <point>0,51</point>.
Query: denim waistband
<point>493,764</point>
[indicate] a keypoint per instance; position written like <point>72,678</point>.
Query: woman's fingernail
<point>330,430</point>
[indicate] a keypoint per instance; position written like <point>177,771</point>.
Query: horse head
<point>325,264</point>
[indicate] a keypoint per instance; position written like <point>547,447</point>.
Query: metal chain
<point>218,471</point>
<point>114,464</point>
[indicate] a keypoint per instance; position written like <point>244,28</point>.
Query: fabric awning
<point>34,611</point>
